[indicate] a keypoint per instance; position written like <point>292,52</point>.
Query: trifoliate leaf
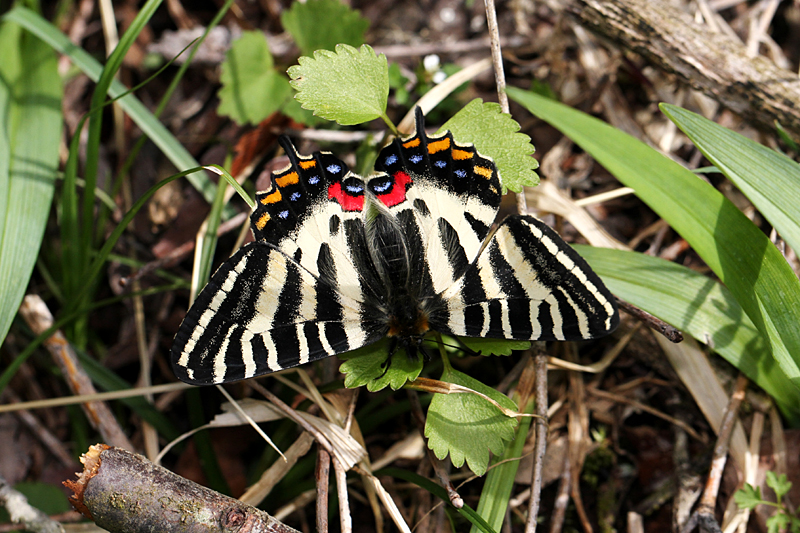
<point>485,346</point>
<point>365,366</point>
<point>466,426</point>
<point>322,24</point>
<point>748,497</point>
<point>495,134</point>
<point>780,484</point>
<point>251,88</point>
<point>778,522</point>
<point>350,86</point>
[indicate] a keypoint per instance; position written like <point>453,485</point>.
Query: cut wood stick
<point>124,492</point>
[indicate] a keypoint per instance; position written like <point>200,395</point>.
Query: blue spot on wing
<point>295,196</point>
<point>440,163</point>
<point>284,214</point>
<point>333,169</point>
<point>415,158</point>
<point>391,160</point>
<point>313,180</point>
<point>461,173</point>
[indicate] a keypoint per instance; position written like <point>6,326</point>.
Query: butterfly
<point>340,262</point>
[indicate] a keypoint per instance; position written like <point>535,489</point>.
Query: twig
<point>322,474</point>
<point>51,443</point>
<point>21,512</point>
<point>124,492</point>
<point>441,473</point>
<point>540,363</point>
<point>639,405</point>
<point>656,324</point>
<point>97,396</point>
<point>38,317</point>
<point>704,515</point>
<point>345,519</point>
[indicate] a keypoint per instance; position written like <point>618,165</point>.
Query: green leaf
<point>350,85</point>
<point>466,426</point>
<point>731,245</point>
<point>251,88</point>
<point>322,24</point>
<point>778,522</point>
<point>780,484</point>
<point>485,346</point>
<point>30,104</point>
<point>748,497</point>
<point>495,134</point>
<point>701,307</point>
<point>365,366</point>
<point>769,179</point>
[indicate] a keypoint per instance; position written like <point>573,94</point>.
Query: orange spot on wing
<point>413,143</point>
<point>272,198</point>
<point>483,171</point>
<point>438,146</point>
<point>288,179</point>
<point>262,221</point>
<point>460,155</point>
<point>305,165</point>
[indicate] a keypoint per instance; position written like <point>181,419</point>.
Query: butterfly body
<point>341,261</point>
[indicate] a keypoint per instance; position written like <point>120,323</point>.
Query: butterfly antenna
<point>460,346</point>
<point>288,147</point>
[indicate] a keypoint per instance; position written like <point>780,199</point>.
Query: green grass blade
<point>736,250</point>
<point>769,179</point>
<point>699,306</point>
<point>496,492</point>
<point>30,104</point>
<point>143,118</point>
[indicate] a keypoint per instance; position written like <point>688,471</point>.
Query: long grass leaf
<point>769,179</point>
<point>30,104</point>
<point>143,118</point>
<point>736,250</point>
<point>699,306</point>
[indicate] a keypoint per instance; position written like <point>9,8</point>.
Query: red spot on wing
<point>348,201</point>
<point>397,194</point>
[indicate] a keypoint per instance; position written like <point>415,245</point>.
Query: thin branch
<point>540,362</point>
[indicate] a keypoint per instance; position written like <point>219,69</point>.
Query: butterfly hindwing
<point>528,284</point>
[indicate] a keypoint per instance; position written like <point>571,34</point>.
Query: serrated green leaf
<point>495,134</point>
<point>486,346</point>
<point>251,88</point>
<point>769,179</point>
<point>322,24</point>
<point>780,484</point>
<point>364,366</point>
<point>30,104</point>
<point>748,497</point>
<point>466,426</point>
<point>731,245</point>
<point>349,86</point>
<point>701,307</point>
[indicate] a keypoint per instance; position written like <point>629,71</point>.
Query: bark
<point>713,63</point>
<point>124,492</point>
